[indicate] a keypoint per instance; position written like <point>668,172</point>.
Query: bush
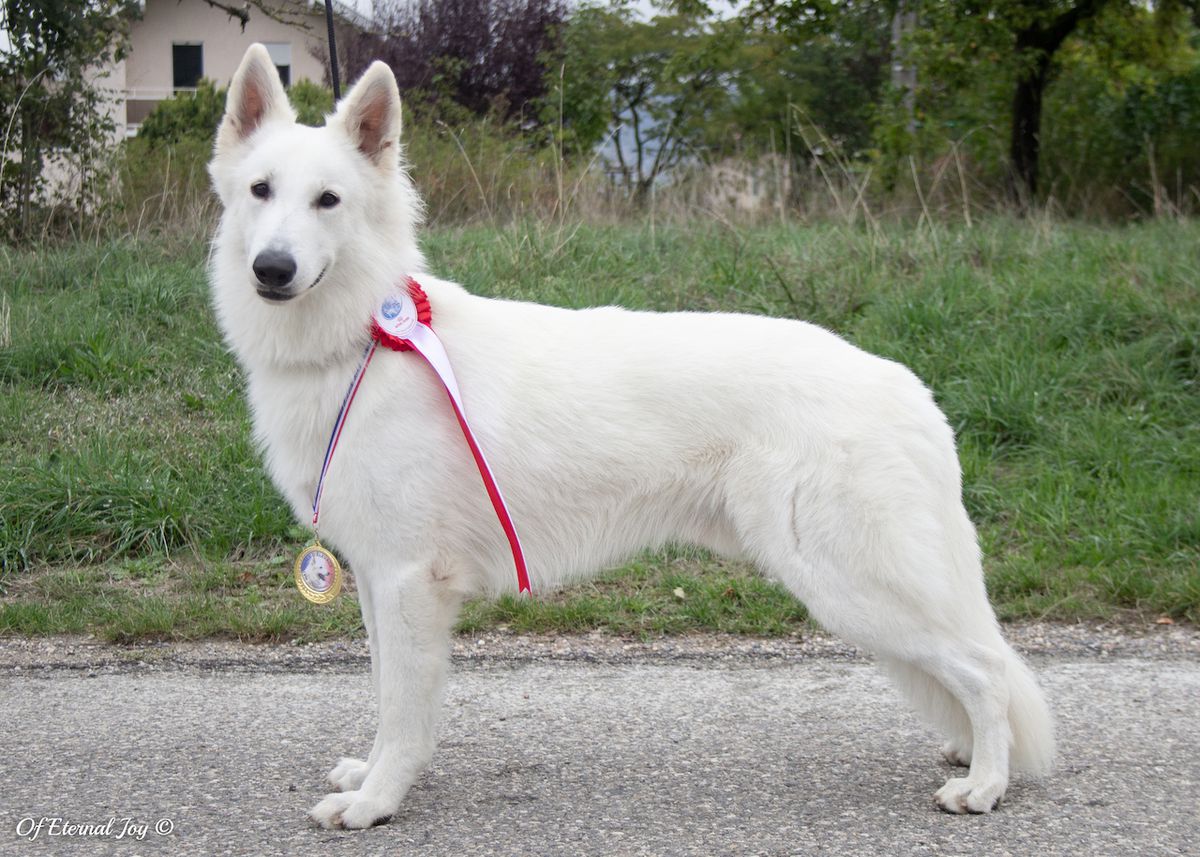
<point>53,159</point>
<point>196,115</point>
<point>1113,147</point>
<point>186,115</point>
<point>163,180</point>
<point>312,101</point>
<point>467,168</point>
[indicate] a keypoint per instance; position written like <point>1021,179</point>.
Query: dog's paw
<point>964,794</point>
<point>350,811</point>
<point>957,754</point>
<point>348,774</point>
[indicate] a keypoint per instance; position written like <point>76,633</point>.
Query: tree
<point>1022,40</point>
<point>483,55</point>
<point>832,73</point>
<point>976,45</point>
<point>52,100</point>
<point>654,86</point>
<point>690,85</point>
<point>665,76</point>
<point>1024,35</point>
<point>1039,32</point>
<point>578,84</point>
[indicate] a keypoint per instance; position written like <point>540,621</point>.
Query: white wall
<point>148,69</point>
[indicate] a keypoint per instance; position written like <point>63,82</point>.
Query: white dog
<point>609,432</point>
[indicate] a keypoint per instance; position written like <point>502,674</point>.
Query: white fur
<point>609,431</point>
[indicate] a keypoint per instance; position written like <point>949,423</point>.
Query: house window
<point>281,55</point>
<point>187,62</point>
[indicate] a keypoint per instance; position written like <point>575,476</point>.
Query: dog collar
<point>403,322</point>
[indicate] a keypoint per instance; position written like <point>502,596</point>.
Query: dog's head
<point>297,199</point>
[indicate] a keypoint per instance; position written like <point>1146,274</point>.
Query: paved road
<point>719,752</point>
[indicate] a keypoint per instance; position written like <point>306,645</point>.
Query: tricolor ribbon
<point>335,435</point>
<point>402,323</point>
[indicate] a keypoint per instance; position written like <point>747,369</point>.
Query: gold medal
<point>318,574</point>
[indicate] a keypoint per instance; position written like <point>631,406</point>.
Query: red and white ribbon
<point>402,323</point>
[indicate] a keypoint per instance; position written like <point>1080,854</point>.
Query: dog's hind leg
<point>959,682</point>
<point>888,567</point>
<point>348,774</point>
<point>975,676</point>
<point>939,707</point>
<point>414,616</point>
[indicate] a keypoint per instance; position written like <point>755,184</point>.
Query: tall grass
<point>1066,357</point>
<point>483,172</point>
<point>121,415</point>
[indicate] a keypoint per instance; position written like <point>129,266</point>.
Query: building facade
<point>175,43</point>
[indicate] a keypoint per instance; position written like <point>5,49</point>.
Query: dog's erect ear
<point>256,96</point>
<point>370,116</point>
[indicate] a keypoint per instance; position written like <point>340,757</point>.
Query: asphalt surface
<point>712,748</point>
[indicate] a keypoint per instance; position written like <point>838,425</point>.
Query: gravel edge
<point>26,656</point>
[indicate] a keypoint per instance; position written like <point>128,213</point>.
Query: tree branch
<point>1050,37</point>
<point>637,141</point>
<point>242,13</point>
<point>275,13</point>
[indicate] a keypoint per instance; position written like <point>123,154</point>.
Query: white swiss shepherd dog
<point>609,432</point>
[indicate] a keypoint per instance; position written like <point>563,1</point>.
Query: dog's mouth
<point>285,294</point>
<point>274,295</point>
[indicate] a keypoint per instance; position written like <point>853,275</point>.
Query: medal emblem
<point>397,315</point>
<point>318,574</point>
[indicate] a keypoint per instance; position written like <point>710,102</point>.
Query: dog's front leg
<point>349,773</point>
<point>413,618</point>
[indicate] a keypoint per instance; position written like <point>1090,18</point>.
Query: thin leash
<point>344,411</point>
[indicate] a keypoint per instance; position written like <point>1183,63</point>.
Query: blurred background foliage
<point>855,164</point>
<point>805,108</point>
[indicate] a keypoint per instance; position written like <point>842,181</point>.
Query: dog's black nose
<point>274,268</point>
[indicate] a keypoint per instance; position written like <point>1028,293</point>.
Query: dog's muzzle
<point>275,272</point>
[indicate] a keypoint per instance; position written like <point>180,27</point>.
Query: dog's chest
<point>384,435</point>
<point>293,417</point>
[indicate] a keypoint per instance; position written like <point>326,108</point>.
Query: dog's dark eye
<point>260,189</point>
<point>328,199</point>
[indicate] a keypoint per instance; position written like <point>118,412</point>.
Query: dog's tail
<point>1029,718</point>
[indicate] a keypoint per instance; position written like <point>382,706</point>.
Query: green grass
<point>1066,357</point>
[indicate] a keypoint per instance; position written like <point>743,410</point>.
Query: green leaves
<point>185,115</point>
<point>51,107</point>
<point>196,115</point>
